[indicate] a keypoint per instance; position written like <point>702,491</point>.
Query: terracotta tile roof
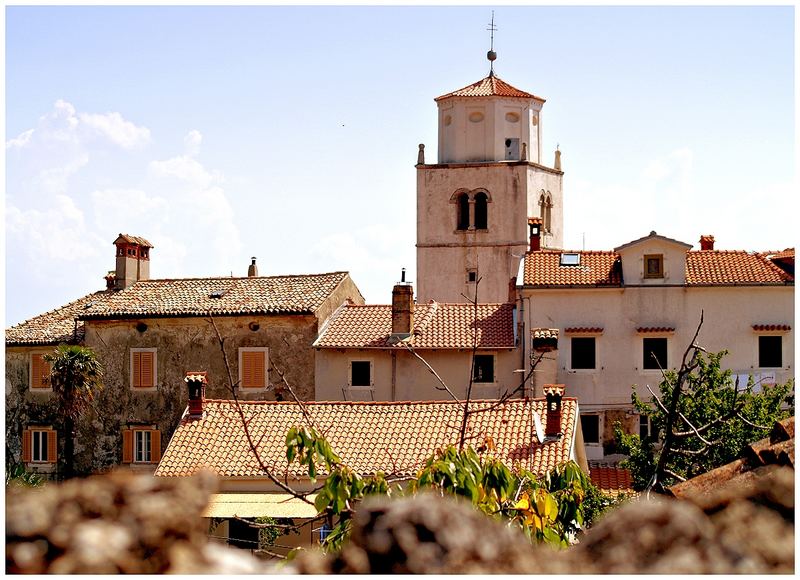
<point>759,459</point>
<point>436,325</point>
<point>543,268</point>
<point>584,330</point>
<point>610,478</point>
<point>133,240</point>
<point>768,327</point>
<point>491,86</point>
<point>648,329</point>
<point>219,296</point>
<point>542,333</point>
<point>712,267</point>
<point>787,254</point>
<point>57,325</point>
<point>703,268</point>
<point>393,437</point>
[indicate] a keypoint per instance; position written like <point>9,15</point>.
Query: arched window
<point>462,207</point>
<point>481,211</point>
<point>547,216</point>
<point>543,210</point>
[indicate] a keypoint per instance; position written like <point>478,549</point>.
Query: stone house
<point>393,437</point>
<point>622,315</point>
<point>147,334</point>
<point>383,352</point>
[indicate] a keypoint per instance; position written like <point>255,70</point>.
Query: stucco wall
<point>413,381</point>
<point>729,315</point>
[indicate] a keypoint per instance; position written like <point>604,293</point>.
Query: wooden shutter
<point>155,446</point>
<point>26,446</point>
<point>127,446</point>
<point>40,372</point>
<point>253,369</point>
<point>143,365</point>
<point>52,450</point>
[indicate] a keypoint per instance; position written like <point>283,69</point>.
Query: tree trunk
<point>69,447</point>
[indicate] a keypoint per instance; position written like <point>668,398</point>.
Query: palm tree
<point>75,376</point>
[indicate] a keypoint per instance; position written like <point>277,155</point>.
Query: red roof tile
<point>57,325</point>
<point>768,327</point>
<point>393,437</point>
<point>133,240</point>
<point>712,267</point>
<point>491,86</point>
<point>219,296</point>
<point>610,478</point>
<point>543,268</point>
<point>584,330</point>
<point>435,326</point>
<point>649,329</point>
<point>703,268</point>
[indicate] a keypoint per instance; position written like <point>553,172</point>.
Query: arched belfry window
<point>547,217</point>
<point>481,211</point>
<point>545,207</point>
<point>462,209</point>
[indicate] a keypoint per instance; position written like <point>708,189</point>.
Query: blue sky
<point>291,133</point>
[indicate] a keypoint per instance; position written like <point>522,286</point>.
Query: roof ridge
<point>243,277</point>
<point>379,403</point>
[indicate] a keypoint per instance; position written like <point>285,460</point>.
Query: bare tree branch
<point>432,371</point>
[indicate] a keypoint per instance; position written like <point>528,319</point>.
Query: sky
<point>291,133</point>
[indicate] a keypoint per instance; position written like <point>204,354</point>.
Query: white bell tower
<point>473,205</point>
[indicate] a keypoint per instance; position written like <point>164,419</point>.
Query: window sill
<point>144,389</point>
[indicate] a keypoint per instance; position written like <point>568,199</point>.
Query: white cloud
<point>186,169</point>
<point>192,142</point>
<point>121,205</point>
<point>116,129</point>
<point>21,141</point>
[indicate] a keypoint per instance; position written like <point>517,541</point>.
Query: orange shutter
<point>254,369</point>
<point>147,369</point>
<point>155,446</point>
<point>52,450</point>
<point>127,446</point>
<point>26,446</point>
<point>143,363</point>
<point>40,372</point>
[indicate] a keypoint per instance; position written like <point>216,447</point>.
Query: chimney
<point>706,242</point>
<point>252,269</point>
<point>133,260</point>
<point>557,164</point>
<point>553,394</point>
<point>535,226</point>
<point>402,307</point>
<point>111,280</point>
<point>196,382</point>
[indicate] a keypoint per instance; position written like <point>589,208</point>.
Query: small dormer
<point>489,121</point>
<point>654,261</point>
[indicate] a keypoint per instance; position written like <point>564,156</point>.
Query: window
<point>143,368</point>
<point>654,266</point>
<point>570,260</point>
<point>360,373</point>
<point>483,371</point>
<point>39,445</point>
<point>654,353</point>
<point>39,372</point>
<point>462,205</point>
<point>645,426</point>
<point>481,211</point>
<point>583,352</point>
<point>472,276</point>
<point>590,425</point>
<point>253,367</point>
<point>770,351</point>
<point>141,445</point>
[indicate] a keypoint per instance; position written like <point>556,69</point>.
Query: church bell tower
<point>473,205</point>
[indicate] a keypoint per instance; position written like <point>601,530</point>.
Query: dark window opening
<point>39,446</point>
<point>242,535</point>
<point>472,276</point>
<point>463,212</point>
<point>360,375</point>
<point>654,353</point>
<point>583,352</point>
<point>483,371</point>
<point>770,352</point>
<point>590,425</point>
<point>481,212</point>
<point>645,426</point>
<point>654,266</point>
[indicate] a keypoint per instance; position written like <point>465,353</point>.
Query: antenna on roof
<point>491,55</point>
